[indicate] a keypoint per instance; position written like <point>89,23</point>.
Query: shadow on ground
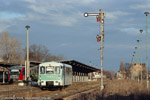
<point>97,96</point>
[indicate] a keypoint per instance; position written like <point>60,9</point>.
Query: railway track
<point>75,89</point>
<point>76,94</point>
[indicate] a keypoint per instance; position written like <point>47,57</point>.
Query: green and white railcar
<point>53,74</point>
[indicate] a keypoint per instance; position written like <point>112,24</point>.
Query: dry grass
<point>119,90</point>
<point>124,88</point>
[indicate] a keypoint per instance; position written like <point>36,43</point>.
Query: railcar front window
<point>57,70</point>
<point>14,73</point>
<point>42,70</point>
<point>49,70</point>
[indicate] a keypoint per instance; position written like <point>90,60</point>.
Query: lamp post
<point>146,13</point>
<point>133,65</point>
<point>138,60</point>
<point>135,62</point>
<point>132,69</point>
<point>141,54</point>
<point>27,65</point>
<point>100,17</point>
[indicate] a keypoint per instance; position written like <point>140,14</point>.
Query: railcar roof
<point>54,64</point>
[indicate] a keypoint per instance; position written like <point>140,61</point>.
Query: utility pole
<point>100,17</point>
<point>141,55</point>
<point>28,69</point>
<point>146,13</point>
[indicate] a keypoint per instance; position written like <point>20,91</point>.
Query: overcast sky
<point>61,26</point>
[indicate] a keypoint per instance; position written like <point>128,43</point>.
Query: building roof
<point>79,67</point>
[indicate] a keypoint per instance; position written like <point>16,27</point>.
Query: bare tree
<point>10,48</point>
<point>38,52</point>
<point>54,58</point>
<point>128,69</point>
<point>109,73</point>
<point>41,53</point>
<point>122,66</point>
<point>4,42</point>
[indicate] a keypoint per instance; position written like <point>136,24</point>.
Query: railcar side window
<point>57,70</point>
<point>68,71</point>
<point>42,70</point>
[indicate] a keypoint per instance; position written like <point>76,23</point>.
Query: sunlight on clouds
<point>59,13</point>
<point>52,13</point>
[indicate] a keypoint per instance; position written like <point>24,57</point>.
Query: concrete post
<point>3,75</point>
<point>75,77</point>
<point>86,77</point>
<point>83,77</point>
<point>79,77</point>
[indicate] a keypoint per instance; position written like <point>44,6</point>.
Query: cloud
<point>5,24</point>
<point>65,44</point>
<point>119,46</point>
<point>115,15</point>
<point>3,27</point>
<point>130,31</point>
<point>30,1</point>
<point>9,15</point>
<point>53,18</point>
<point>52,12</point>
<point>140,6</point>
<point>38,9</point>
<point>8,19</point>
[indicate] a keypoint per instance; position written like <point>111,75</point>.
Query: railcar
<point>15,72</point>
<point>33,73</point>
<point>7,76</point>
<point>22,74</point>
<point>54,74</point>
